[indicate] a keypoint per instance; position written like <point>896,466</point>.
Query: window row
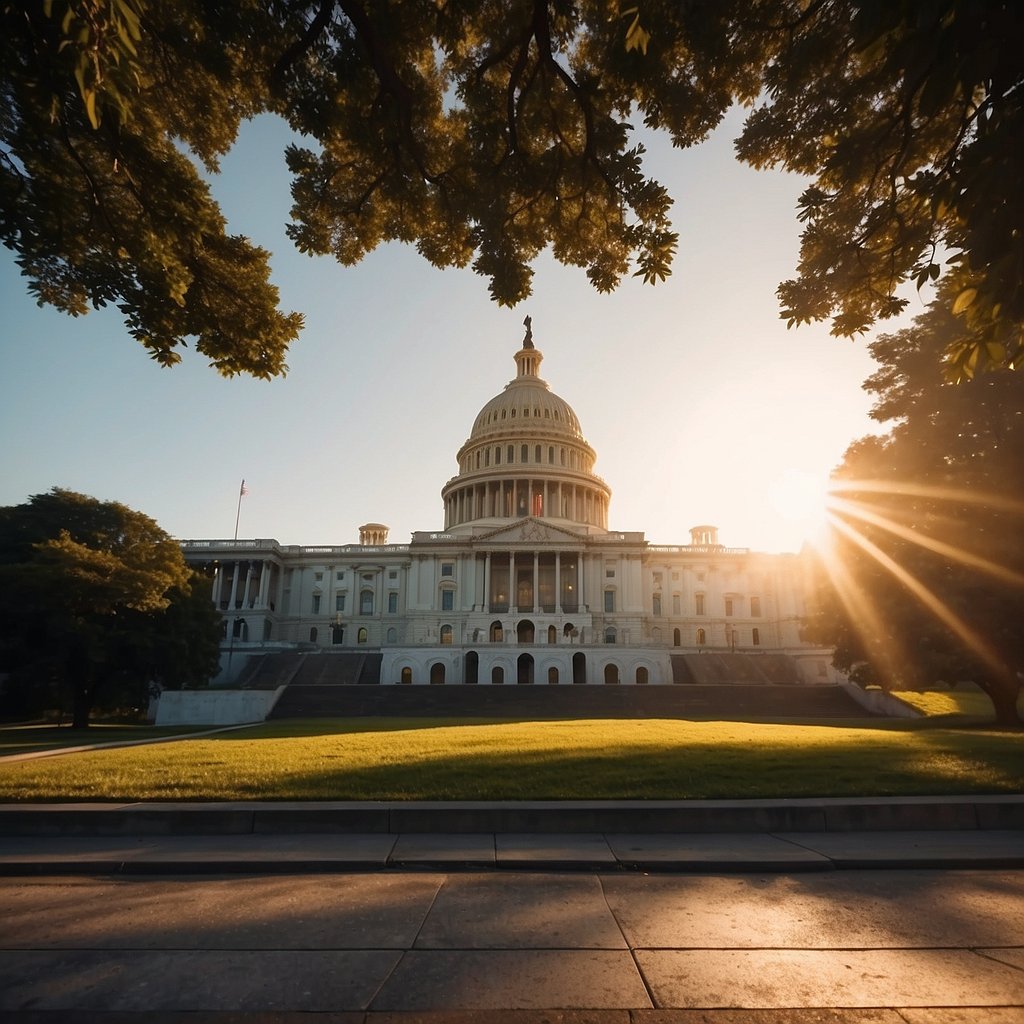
<point>510,414</point>
<point>700,604</point>
<point>366,603</point>
<point>565,457</point>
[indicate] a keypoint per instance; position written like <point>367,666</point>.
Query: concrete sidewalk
<point>652,836</point>
<point>509,947</point>
<point>718,853</point>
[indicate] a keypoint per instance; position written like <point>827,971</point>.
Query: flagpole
<point>238,512</point>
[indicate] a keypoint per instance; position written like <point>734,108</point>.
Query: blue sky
<point>695,396</point>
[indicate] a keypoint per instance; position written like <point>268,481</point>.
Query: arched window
<point>757,637</point>
<point>551,455</point>
<point>361,636</point>
<point>701,638</point>
<point>609,635</point>
<point>677,638</point>
<point>312,634</point>
<point>524,453</point>
<point>392,635</point>
<point>641,676</point>
<point>611,675</point>
<point>497,675</point>
<point>337,634</point>
<point>552,676</point>
<point>437,674</point>
<point>552,635</point>
<point>497,633</point>
<point>406,676</point>
<point>446,635</point>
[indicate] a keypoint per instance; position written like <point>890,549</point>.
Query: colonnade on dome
<point>468,501</point>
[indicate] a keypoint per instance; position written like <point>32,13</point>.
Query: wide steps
<point>740,702</point>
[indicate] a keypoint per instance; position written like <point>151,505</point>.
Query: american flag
<point>243,491</point>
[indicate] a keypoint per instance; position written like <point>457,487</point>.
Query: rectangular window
<point>393,574</point>
<point>609,574</point>
<point>392,603</point>
<point>755,607</point>
<point>700,605</point>
<point>339,602</point>
<point>316,604</point>
<point>318,576</point>
<point>756,637</point>
<point>609,600</point>
<point>447,568</point>
<point>728,606</point>
<point>339,575</point>
<point>447,600</point>
<point>676,604</point>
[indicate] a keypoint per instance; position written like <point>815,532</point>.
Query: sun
<point>800,499</point>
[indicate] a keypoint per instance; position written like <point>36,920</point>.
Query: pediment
<point>530,531</point>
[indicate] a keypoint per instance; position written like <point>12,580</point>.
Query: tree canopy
<point>97,602</point>
<point>925,572</point>
<point>484,132</point>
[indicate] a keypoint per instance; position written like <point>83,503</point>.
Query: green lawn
<point>424,759</point>
<point>970,704</point>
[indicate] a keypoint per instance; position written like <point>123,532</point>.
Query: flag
<point>243,491</point>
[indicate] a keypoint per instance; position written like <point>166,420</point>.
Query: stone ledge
<point>868,814</point>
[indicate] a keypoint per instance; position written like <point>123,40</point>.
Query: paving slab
<point>852,977</point>
<point>836,910</point>
<point>356,911</point>
<point>553,850</point>
<point>192,980</point>
<point>790,1015</point>
<point>714,852</point>
<point>471,849</point>
<point>513,979</point>
<point>518,911</point>
<point>964,1015</point>
<point>180,853</point>
<point>946,849</point>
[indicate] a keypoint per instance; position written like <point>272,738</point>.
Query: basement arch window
<point>701,638</point>
<point>756,637</point>
<point>406,676</point>
<point>362,636</point>
<point>446,635</point>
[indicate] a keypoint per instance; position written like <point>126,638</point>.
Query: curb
<point>850,814</point>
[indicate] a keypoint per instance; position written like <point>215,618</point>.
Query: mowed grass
<point>440,759</point>
<point>969,704</point>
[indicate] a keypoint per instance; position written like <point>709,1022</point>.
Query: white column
<point>234,587</point>
<point>558,582</point>
<point>248,586</point>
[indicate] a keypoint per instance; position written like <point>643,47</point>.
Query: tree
<point>96,599</point>
<point>483,132</point>
<point>925,571</point>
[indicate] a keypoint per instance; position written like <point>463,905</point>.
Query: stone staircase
<point>738,702</point>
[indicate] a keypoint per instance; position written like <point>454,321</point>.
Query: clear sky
<point>695,396</point>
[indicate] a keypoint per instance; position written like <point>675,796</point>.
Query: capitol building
<point>524,583</point>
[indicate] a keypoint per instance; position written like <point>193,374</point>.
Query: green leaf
<point>964,299</point>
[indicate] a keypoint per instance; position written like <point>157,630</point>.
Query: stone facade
<point>525,583</point>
